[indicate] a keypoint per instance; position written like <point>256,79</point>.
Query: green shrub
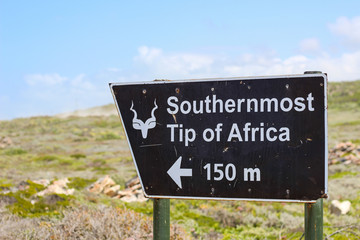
<point>78,155</point>
<point>15,151</point>
<point>342,174</point>
<point>25,203</point>
<point>80,183</point>
<point>46,158</point>
<point>108,136</point>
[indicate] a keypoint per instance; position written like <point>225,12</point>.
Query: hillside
<point>344,112</point>
<point>344,95</point>
<point>106,110</point>
<point>86,145</point>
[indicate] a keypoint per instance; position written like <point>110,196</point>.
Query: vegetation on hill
<point>344,95</point>
<point>343,112</point>
<point>84,149</point>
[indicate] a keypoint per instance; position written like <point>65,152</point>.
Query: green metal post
<point>161,219</point>
<point>314,220</point>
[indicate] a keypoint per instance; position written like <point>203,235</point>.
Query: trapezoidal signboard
<point>260,138</point>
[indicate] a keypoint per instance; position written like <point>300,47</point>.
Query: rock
<point>141,198</point>
<point>96,188</point>
<point>139,191</point>
<point>352,157</point>
<point>350,146</point>
<point>131,198</point>
<point>57,187</point>
<point>61,182</point>
<point>333,161</point>
<point>347,162</point>
<point>132,182</point>
<point>136,187</point>
<point>338,207</point>
<point>101,184</point>
<point>132,192</point>
<point>345,153</point>
<point>341,146</point>
<point>23,185</point>
<point>112,191</point>
<point>126,192</point>
<point>44,182</point>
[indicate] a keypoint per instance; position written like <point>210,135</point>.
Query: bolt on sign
<point>257,138</point>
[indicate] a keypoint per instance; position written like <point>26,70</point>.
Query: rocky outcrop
<point>102,185</point>
<point>132,191</point>
<point>107,186</point>
<point>345,153</point>
<point>57,187</point>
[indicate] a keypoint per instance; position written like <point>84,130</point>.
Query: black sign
<point>259,138</point>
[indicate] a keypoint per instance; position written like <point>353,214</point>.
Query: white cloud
<point>160,64</point>
<point>270,65</point>
<point>54,93</point>
<point>79,83</point>
<point>310,45</point>
<point>113,69</point>
<point>345,67</point>
<point>148,54</point>
<point>348,29</point>
<point>46,79</point>
<point>173,64</point>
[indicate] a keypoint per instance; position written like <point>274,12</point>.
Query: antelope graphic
<point>149,123</point>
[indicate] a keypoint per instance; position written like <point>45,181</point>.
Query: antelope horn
<point>131,108</point>
<point>153,110</point>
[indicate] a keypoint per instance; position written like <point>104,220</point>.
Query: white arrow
<point>176,172</point>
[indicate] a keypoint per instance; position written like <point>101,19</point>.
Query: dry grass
<point>83,223</point>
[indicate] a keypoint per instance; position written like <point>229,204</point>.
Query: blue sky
<point>58,56</point>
